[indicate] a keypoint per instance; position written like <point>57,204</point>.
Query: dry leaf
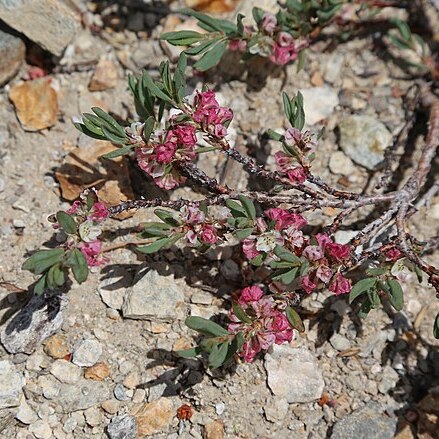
<point>215,6</point>
<point>12,288</point>
<point>84,168</point>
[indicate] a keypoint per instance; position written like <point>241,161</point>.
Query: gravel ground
<point>98,362</point>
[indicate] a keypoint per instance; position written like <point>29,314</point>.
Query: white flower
<point>89,232</point>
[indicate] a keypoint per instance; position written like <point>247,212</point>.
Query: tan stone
<point>181,344</point>
<point>104,77</point>
<point>132,380</point>
<point>36,104</point>
<point>97,372</point>
<point>111,406</point>
<point>154,417</point>
<point>56,347</point>
<point>214,430</point>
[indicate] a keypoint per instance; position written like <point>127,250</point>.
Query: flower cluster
<point>90,229</point>
<point>299,151</point>
<point>197,229</point>
<point>177,144</point>
<point>324,258</point>
<point>265,324</point>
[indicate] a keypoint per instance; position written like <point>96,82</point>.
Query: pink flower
<point>192,215</point>
<point>339,252</point>
<point>297,175</point>
<point>279,323</point>
<point>293,136</point>
<point>237,45</point>
<point>250,349</point>
<point>249,248</point>
<point>323,239</point>
<point>265,339</point>
<point>91,252</point>
<point>283,161</point>
<point>295,237</point>
<point>169,181</point>
<point>285,219</point>
<point>75,206</point>
<point>340,285</point>
<point>165,152</point>
<point>250,294</point>
<point>324,273</point>
<point>269,23</point>
<point>99,212</point>
<point>392,254</point>
<point>307,284</point>
<point>186,135</point>
<point>285,39</point>
<point>208,234</point>
<point>313,253</point>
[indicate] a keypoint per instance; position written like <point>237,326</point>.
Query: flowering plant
<point>271,227</point>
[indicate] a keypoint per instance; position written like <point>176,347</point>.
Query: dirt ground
<point>380,374</point>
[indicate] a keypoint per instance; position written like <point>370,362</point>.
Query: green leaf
<point>40,286</point>
<point>176,37</point>
<point>42,260</point>
<point>206,327</point>
<point>258,260</point>
<point>159,244</point>
<point>366,307</point>
<point>288,109</point>
<point>361,287</point>
<point>94,134</point>
<point>76,261</point>
<point>189,353</point>
<point>301,60</point>
<point>154,229</point>
<point>299,116</point>
<point>154,89</point>
<point>118,152</point>
<point>110,121</point>
<point>240,313</point>
<point>211,24</point>
<point>273,135</point>
<point>236,209</point>
<point>235,346</point>
<point>402,27</point>
<point>55,276</point>
<point>243,233</point>
<point>212,57</point>
<point>286,255</point>
<point>218,355</point>
<point>376,271</point>
<point>113,137</point>
<point>287,276</point>
<point>249,207</point>
<point>396,294</point>
<point>167,217</point>
<point>294,319</point>
<point>67,223</point>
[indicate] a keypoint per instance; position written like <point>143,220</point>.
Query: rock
<point>65,371</point>
<point>88,353</point>
<point>277,411</point>
<point>120,393</point>
<point>41,430</point>
<point>12,52</point>
<point>110,406</point>
<point>333,66</point>
<point>154,296</point>
<point>230,270</point>
<point>340,163</point>
<point>202,298</point>
<point>132,380</point>
<point>154,417</point>
<point>111,297</point>
<point>304,385</point>
<point>56,347</point>
<point>104,77</point>
<point>428,411</point>
<point>214,430</point>
<point>389,378</point>
<point>82,395</point>
<point>364,139</point>
<point>36,104</point>
<point>11,383</point>
<point>93,416</point>
<point>139,396</point>
<point>49,23</point>
<point>50,386</point>
<point>37,320</point>
<point>25,414</point>
<point>122,427</point>
<point>368,423</point>
<point>339,343</point>
<point>97,372</point>
<point>319,103</point>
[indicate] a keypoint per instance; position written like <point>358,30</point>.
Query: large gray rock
<point>49,23</point>
<point>12,52</point>
<point>11,384</point>
<point>88,353</point>
<point>82,395</point>
<point>154,296</point>
<point>41,317</point>
<point>364,139</point>
<point>293,374</point>
<point>368,423</point>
